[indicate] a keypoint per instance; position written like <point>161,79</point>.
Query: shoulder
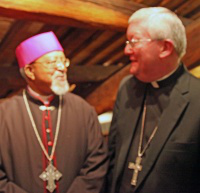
<point>190,81</point>
<point>194,80</point>
<point>12,102</point>
<point>75,101</point>
<point>10,111</point>
<point>126,81</point>
<point>77,108</point>
<point>129,83</point>
<point>194,87</point>
<point>74,98</point>
<point>187,75</point>
<point>188,86</point>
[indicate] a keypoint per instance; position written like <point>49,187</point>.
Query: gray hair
<point>163,24</point>
<point>22,72</point>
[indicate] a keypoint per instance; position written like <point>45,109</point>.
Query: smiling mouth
<point>133,61</point>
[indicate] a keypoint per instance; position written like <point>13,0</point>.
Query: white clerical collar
<point>45,99</point>
<point>155,83</point>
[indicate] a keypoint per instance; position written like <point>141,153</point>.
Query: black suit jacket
<point>172,164</point>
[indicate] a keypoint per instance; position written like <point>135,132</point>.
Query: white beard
<point>59,87</point>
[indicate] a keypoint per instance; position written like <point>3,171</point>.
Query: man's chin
<point>134,69</point>
<point>60,89</point>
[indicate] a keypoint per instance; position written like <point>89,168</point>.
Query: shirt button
<point>48,130</point>
<point>46,117</point>
<point>50,143</point>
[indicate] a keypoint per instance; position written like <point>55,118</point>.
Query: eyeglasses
<point>56,64</point>
<point>132,42</point>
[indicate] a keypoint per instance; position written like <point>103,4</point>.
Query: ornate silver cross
<point>50,175</point>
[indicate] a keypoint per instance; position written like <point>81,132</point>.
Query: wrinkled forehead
<point>54,55</point>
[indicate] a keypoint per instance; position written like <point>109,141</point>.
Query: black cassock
<point>80,154</point>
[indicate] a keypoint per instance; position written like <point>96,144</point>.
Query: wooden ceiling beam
<point>193,40</point>
<point>82,74</point>
<point>104,96</point>
<point>14,36</point>
<point>188,7</point>
<point>106,51</point>
<point>89,49</point>
<point>77,13</point>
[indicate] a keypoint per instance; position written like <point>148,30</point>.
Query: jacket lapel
<point>169,118</point>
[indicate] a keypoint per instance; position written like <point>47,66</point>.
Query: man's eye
<point>51,62</point>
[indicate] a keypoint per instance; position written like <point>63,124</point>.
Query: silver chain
<point>140,151</point>
<point>49,157</point>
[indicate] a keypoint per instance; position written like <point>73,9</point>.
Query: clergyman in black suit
<point>154,142</point>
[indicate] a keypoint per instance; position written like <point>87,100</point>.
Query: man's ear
<point>167,48</point>
<point>29,72</point>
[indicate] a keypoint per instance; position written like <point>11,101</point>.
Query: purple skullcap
<point>36,46</point>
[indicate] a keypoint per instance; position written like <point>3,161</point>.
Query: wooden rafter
<point>79,13</point>
<point>193,49</point>
<point>104,96</point>
<point>70,12</point>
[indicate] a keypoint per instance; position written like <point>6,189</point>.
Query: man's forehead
<point>136,29</point>
<point>53,55</point>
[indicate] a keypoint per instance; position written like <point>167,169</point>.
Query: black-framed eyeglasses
<point>56,63</point>
<point>133,41</point>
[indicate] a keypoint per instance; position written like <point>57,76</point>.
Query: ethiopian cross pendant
<point>50,175</point>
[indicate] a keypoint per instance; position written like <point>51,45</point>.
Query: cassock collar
<point>46,100</point>
<point>169,79</point>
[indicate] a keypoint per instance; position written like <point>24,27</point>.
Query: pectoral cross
<point>137,168</point>
<point>50,174</point>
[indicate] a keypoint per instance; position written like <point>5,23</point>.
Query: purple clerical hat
<point>36,46</point>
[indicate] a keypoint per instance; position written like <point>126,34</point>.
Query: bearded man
<point>51,139</point>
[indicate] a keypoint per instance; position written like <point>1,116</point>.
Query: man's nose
<point>61,66</point>
<point>128,49</point>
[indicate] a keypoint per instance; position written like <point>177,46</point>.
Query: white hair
<point>163,24</point>
<point>23,74</point>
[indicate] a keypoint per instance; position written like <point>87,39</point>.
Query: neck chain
<point>137,167</point>
<point>140,151</point>
<point>51,173</point>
